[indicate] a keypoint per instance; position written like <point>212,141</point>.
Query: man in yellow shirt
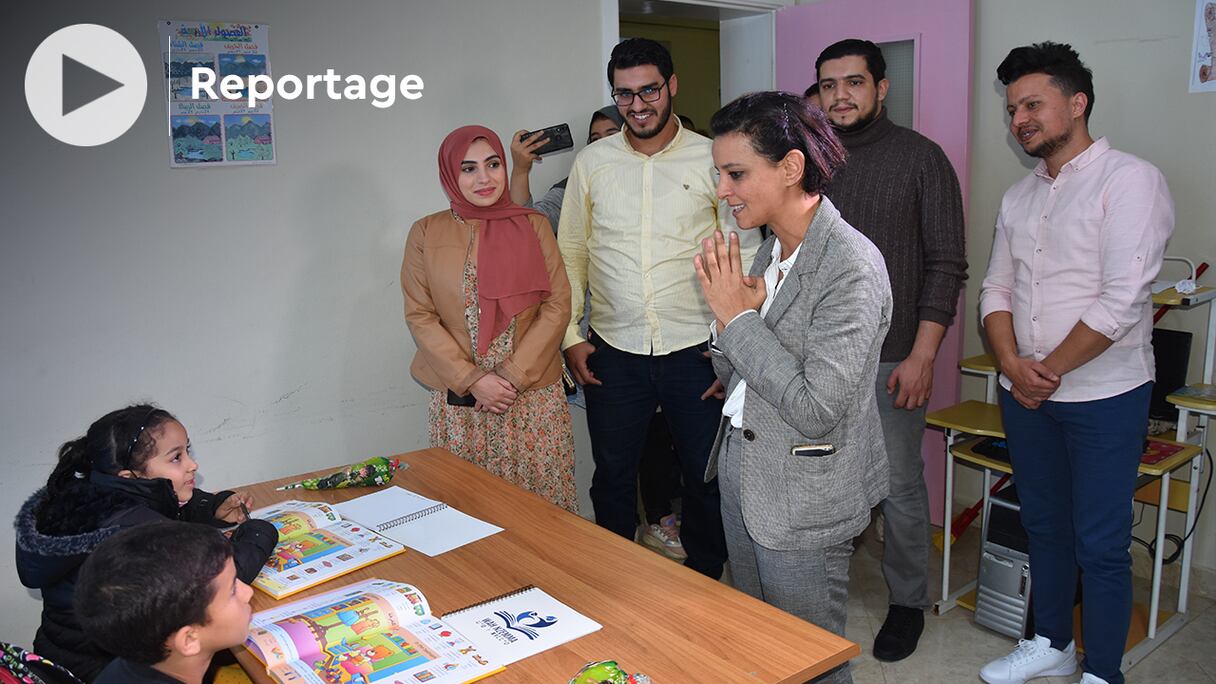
<point>636,208</point>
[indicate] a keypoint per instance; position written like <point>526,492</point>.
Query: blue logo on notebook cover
<point>525,623</point>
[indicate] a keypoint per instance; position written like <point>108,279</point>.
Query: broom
<point>963,520</point>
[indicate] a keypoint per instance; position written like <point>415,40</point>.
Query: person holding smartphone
<point>796,338</point>
<point>487,301</point>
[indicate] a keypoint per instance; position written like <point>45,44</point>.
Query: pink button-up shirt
<point>1084,246</point>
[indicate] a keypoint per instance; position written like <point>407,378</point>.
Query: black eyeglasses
<point>134,440</point>
<point>624,98</point>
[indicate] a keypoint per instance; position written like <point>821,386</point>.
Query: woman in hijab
<point>487,302</point>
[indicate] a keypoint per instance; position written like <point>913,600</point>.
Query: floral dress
<point>531,445</point>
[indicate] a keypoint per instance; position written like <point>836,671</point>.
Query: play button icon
<point>85,85</point>
<point>82,84</point>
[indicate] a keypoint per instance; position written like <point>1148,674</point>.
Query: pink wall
<point>942,30</point>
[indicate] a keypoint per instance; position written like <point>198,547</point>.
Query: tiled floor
<point>953,648</point>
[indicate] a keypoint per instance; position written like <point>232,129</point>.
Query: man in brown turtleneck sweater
<point>899,189</point>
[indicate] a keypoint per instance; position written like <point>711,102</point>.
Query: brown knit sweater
<point>899,189</point>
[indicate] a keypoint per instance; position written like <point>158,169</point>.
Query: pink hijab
<point>511,273</point>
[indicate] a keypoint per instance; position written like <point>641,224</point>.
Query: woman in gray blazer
<point>795,342</point>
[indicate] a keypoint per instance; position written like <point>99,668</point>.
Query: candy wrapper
<point>373,472</point>
<point>607,672</point>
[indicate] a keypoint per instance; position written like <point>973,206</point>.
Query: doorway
<point>721,49</point>
<point>694,48</point>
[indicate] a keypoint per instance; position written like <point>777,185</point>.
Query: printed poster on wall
<point>220,131</point>
<point>1203,52</point>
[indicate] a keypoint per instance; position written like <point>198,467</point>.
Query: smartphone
<point>559,139</point>
<point>458,400</point>
<point>813,450</point>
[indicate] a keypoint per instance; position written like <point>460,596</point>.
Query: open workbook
<point>370,631</point>
<point>422,524</point>
<point>316,545</point>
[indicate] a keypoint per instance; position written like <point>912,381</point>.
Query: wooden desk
<point>659,617</point>
<point>1172,297</point>
<point>971,417</point>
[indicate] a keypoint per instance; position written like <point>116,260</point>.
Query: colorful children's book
<point>518,624</point>
<point>371,631</point>
<point>422,524</point>
<point>315,546</point>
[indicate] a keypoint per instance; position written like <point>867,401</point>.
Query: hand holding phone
<point>559,139</point>
<point>523,150</point>
<point>492,393</point>
<point>467,400</point>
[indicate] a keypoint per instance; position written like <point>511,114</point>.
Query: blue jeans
<point>1075,467</point>
<point>618,417</point>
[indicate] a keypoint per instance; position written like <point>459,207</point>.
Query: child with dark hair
<point>134,466</point>
<point>164,598</point>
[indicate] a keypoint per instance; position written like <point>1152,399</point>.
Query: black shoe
<point>899,634</point>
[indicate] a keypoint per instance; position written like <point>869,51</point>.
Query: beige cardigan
<point>432,281</point>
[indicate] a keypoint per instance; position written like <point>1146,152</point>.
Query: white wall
<point>1138,52</point>
<point>261,305</point>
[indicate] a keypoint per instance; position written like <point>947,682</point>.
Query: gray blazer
<point>810,366</point>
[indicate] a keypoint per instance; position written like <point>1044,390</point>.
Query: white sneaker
<point>1088,678</point>
<point>1032,658</point>
<point>664,537</point>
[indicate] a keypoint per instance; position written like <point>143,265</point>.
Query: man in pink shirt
<point>1067,310</point>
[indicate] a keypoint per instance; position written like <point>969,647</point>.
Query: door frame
<point>942,32</point>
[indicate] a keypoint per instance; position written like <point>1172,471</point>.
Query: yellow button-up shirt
<point>629,228</point>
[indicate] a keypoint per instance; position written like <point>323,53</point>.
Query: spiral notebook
<point>422,524</point>
<point>518,624</point>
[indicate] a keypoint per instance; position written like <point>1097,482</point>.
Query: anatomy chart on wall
<point>1203,63</point>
